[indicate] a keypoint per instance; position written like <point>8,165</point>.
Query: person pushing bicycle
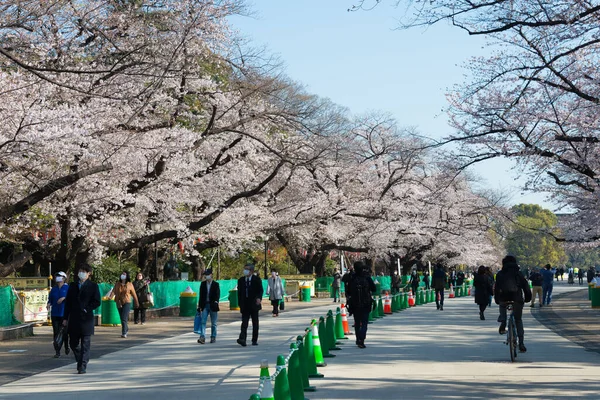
<point>511,286</point>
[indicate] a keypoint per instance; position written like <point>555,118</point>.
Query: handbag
<point>149,300</point>
<point>282,305</point>
<point>197,322</point>
<point>60,337</point>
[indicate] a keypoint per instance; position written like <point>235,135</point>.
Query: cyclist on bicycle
<point>511,286</point>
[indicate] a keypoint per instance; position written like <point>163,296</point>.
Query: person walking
<point>453,276</point>
<point>439,284</point>
<point>483,290</point>
<point>396,281</point>
<point>250,293</point>
<point>83,297</point>
<point>580,276</point>
<point>426,280</point>
<point>275,292</point>
<point>335,285</point>
<point>548,274</point>
<point>141,291</point>
<point>490,275</point>
<point>123,292</point>
<point>208,304</point>
<point>361,289</point>
<point>537,282</point>
<point>56,306</point>
<point>511,286</point>
<point>414,282</point>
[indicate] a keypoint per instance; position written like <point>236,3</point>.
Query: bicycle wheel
<point>511,340</point>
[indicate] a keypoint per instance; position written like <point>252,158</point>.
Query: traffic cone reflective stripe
<point>411,299</point>
<point>345,320</point>
<point>339,327</point>
<point>265,377</point>
<point>318,351</point>
<point>282,385</point>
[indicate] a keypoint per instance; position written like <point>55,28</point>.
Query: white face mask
<point>82,276</point>
<point>209,277</point>
<point>59,279</point>
<point>123,277</point>
<point>273,274</point>
<point>246,272</point>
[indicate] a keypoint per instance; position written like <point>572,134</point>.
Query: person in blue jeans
<point>547,283</point>
<point>208,304</point>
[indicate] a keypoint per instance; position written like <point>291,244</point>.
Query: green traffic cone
<point>265,378</point>
<point>318,349</point>
<point>311,357</point>
<point>330,328</point>
<point>295,374</point>
<point>339,327</point>
<point>281,391</point>
<point>325,344</point>
<point>380,312</point>
<point>304,366</point>
<point>255,397</point>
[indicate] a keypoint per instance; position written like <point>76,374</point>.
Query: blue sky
<point>359,60</point>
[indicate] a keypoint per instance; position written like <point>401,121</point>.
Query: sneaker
<point>82,371</point>
<point>241,342</point>
<point>362,346</point>
<point>438,307</point>
<point>201,340</point>
<point>502,329</point>
<point>481,316</point>
<point>143,323</point>
<point>441,308</point>
<point>135,322</point>
<point>522,348</point>
<point>213,339</point>
<point>124,336</point>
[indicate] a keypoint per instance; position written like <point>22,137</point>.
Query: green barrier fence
<point>7,305</point>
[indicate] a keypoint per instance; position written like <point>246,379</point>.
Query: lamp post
<point>266,250</point>
<point>155,226</point>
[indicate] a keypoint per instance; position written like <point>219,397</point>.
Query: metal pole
<point>218,263</point>
<point>266,249</point>
<point>156,261</point>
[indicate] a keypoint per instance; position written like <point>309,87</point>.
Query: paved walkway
<point>418,353</point>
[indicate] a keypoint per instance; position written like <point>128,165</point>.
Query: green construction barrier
<point>7,306</point>
<point>596,297</point>
<point>110,313</point>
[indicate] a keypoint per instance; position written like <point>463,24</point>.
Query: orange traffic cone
<point>345,321</point>
<point>411,299</point>
<point>387,304</point>
<point>451,294</point>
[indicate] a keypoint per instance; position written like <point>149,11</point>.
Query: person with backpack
<point>361,288</point>
<point>439,280</point>
<point>511,286</point>
<point>536,282</point>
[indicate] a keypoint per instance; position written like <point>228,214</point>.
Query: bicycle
<point>511,332</point>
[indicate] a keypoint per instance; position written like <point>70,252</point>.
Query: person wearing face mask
<point>208,304</point>
<point>83,297</point>
<point>275,291</point>
<point>250,292</point>
<point>141,290</point>
<point>123,293</point>
<point>56,305</point>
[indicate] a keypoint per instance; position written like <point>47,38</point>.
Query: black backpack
<point>360,293</point>
<point>509,287</point>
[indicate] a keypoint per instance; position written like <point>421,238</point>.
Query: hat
<point>62,274</point>
<point>208,271</point>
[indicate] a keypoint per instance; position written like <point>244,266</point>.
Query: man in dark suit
<point>82,298</point>
<point>208,304</point>
<point>250,293</point>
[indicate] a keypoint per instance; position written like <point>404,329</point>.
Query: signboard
<point>25,283</point>
<point>31,305</point>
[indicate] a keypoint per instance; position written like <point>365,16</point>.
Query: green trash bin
<point>305,293</point>
<point>596,297</point>
<point>110,313</point>
<point>188,303</point>
<point>233,300</point>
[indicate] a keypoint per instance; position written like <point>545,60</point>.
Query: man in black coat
<point>250,293</point>
<point>82,298</point>
<point>511,286</point>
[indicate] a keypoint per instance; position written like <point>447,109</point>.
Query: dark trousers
<point>275,304</point>
<point>80,344</point>
<point>439,293</point>
<point>518,314</point>
<point>137,313</point>
<point>246,315</point>
<point>124,314</point>
<point>361,323</point>
<point>482,307</point>
<point>56,324</point>
<point>336,293</point>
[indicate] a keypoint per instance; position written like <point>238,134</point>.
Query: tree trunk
<point>16,264</point>
<point>145,262</point>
